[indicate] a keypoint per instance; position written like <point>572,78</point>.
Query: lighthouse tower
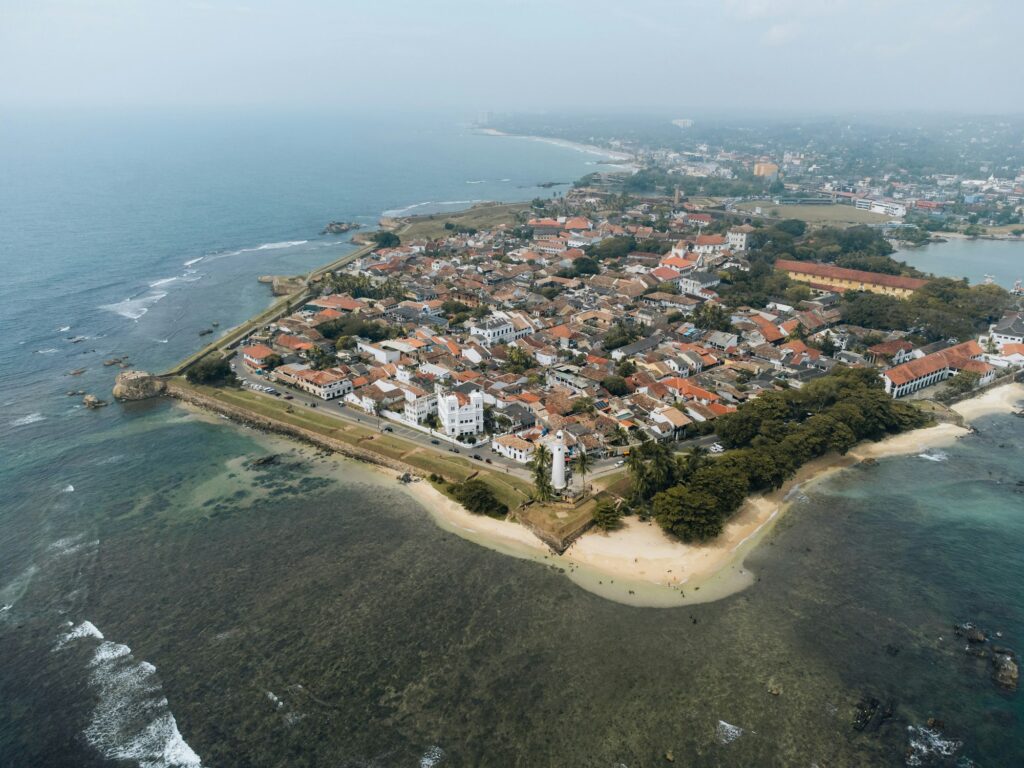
<point>558,462</point>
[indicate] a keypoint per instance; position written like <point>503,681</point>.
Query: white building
<point>326,385</point>
<point>493,330</point>
<point>558,462</point>
<point>459,413</point>
<point>1009,330</point>
<point>738,238</point>
<point>895,210</point>
<point>513,447</point>
<point>419,403</point>
<point>378,353</point>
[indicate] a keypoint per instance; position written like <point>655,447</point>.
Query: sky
<point>508,55</point>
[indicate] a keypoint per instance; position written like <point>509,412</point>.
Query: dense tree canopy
<point>771,437</point>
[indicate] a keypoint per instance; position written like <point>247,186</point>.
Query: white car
<point>717,448</point>
<point>620,463</point>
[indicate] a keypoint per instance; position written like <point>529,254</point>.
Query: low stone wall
<point>244,416</point>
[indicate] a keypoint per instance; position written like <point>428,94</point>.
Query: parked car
<point>620,463</point>
<point>435,442</point>
<point>478,457</point>
<point>388,429</point>
<point>488,461</point>
<point>717,448</point>
<point>289,397</point>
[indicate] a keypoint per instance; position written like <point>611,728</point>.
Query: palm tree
<point>378,409</point>
<point>638,471</point>
<point>695,459</point>
<point>582,464</point>
<point>541,466</point>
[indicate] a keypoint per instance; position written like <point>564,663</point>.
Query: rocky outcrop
<point>339,227</point>
<point>93,402</point>
<point>1005,671</point>
<point>282,285</point>
<point>137,385</point>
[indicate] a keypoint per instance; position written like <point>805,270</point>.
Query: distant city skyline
<point>745,55</point>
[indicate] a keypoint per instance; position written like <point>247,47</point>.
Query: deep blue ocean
<point>163,602</point>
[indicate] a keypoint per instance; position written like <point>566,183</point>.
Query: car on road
<point>717,448</point>
<point>435,442</point>
<point>620,463</point>
<point>478,457</point>
<point>289,397</point>
<point>488,461</point>
<point>388,429</point>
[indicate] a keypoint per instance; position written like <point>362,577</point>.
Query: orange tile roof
<point>854,275</point>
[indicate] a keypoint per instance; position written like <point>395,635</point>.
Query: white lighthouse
<point>558,462</point>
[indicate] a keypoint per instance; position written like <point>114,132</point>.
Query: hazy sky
<point>955,55</point>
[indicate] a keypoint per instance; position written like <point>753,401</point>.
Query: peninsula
<point>628,393</point>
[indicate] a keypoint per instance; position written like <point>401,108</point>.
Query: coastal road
<point>340,410</point>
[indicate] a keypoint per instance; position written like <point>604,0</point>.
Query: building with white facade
<point>558,481</point>
<point>460,413</point>
<point>513,447</point>
<point>493,330</point>
<point>1009,330</point>
<point>738,238</point>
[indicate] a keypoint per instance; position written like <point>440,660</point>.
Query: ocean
<point>165,602</point>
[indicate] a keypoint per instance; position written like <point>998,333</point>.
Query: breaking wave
<point>726,733</point>
<point>163,281</point>
<point>926,743</point>
<point>135,308</point>
<point>132,719</point>
<point>432,757</point>
<point>934,456</point>
<point>440,203</point>
<point>190,262</point>
<point>68,488</point>
<point>24,421</point>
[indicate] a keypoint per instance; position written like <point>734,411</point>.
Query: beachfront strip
<point>508,336</point>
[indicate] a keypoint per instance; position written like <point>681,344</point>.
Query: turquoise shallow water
<point>314,615</point>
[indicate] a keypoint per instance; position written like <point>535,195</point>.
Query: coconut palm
<point>582,463</point>
<point>541,466</point>
<point>378,409</point>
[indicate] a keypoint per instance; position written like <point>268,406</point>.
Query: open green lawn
<point>512,490</point>
<point>483,216</point>
<point>815,214</point>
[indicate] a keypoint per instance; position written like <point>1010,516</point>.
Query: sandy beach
<point>641,565</point>
<point>1001,399</point>
<point>615,157</point>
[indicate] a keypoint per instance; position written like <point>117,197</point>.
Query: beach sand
<point>640,564</point>
<point>1001,399</point>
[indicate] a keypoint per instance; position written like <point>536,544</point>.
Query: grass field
<point>512,490</point>
<point>483,216</point>
<point>815,214</point>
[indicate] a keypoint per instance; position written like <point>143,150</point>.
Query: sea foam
<point>135,308</point>
<point>925,744</point>
<point>24,421</point>
<point>726,733</point>
<point>132,719</point>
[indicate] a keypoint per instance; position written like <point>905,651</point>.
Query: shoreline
<point>615,157</point>
<point>669,573</point>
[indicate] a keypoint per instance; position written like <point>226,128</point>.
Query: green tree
<point>541,467</point>
<point>211,369</point>
<point>688,514</point>
<point>385,239</point>
<point>476,496</point>
<point>607,515</point>
<point>615,385</point>
<point>582,464</point>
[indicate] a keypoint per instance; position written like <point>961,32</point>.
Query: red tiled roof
<point>854,275</point>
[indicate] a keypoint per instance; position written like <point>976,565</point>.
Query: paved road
<point>340,410</point>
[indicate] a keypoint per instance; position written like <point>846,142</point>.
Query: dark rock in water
<point>206,332</point>
<point>975,635</point>
<point>866,709</point>
<point>93,402</point>
<point>1005,672</point>
<point>265,461</point>
<point>339,227</point>
<point>892,650</point>
<point>935,724</point>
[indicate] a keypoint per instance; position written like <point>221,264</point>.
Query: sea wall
<point>189,395</point>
